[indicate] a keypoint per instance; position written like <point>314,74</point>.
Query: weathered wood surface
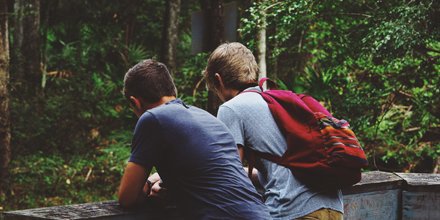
<point>420,205</point>
<point>419,181</point>
<point>375,181</point>
<point>420,196</point>
<point>102,210</point>
<point>373,205</point>
<point>379,195</point>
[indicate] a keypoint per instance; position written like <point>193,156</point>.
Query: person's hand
<point>157,190</point>
<point>154,177</point>
<point>153,187</point>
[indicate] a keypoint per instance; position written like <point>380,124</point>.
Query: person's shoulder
<point>171,112</point>
<point>146,117</point>
<point>244,99</point>
<point>164,110</point>
<point>159,112</point>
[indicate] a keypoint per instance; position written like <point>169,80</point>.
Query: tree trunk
<point>213,13</point>
<point>5,129</point>
<point>261,49</point>
<point>27,44</point>
<point>171,34</point>
<point>17,59</point>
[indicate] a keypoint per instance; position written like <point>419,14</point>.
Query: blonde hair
<point>235,64</point>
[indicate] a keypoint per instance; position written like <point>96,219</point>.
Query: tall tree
<point>261,42</point>
<point>170,34</point>
<point>213,13</point>
<point>27,43</point>
<point>5,131</point>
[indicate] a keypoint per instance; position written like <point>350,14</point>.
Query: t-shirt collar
<point>174,101</point>
<point>253,88</point>
<point>177,101</point>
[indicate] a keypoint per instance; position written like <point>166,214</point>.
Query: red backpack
<point>322,151</point>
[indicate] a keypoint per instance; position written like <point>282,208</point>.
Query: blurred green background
<point>374,63</point>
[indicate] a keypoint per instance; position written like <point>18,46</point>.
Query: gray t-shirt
<point>251,123</point>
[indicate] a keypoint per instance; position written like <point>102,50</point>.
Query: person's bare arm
<point>132,183</point>
<point>241,152</point>
<point>254,175</point>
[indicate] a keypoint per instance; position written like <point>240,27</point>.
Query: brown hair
<point>235,64</point>
<point>149,80</point>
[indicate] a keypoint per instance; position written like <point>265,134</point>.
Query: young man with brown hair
<point>193,152</point>
<point>232,69</point>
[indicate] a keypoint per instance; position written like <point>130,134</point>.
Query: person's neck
<point>162,101</point>
<point>231,93</point>
<point>235,92</point>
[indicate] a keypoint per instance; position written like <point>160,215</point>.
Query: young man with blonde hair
<point>232,69</point>
<point>193,152</point>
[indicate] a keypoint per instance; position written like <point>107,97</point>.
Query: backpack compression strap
<point>270,83</point>
<point>262,81</point>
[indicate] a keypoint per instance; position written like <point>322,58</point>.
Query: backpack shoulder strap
<point>261,82</point>
<point>270,83</point>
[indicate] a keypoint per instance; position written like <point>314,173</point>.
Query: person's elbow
<point>130,189</point>
<point>126,201</point>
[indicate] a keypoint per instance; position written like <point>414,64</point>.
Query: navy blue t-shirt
<point>198,161</point>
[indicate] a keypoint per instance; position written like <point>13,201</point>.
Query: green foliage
<point>373,63</point>
<point>81,122</point>
<point>70,142</point>
<point>42,179</point>
<point>190,82</point>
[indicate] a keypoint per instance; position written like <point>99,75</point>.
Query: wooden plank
<point>373,205</point>
<point>421,181</point>
<point>377,177</point>
<point>375,181</point>
<point>420,196</point>
<point>420,205</point>
<point>102,210</point>
<point>379,195</point>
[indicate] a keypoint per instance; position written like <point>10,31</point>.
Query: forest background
<point>65,127</point>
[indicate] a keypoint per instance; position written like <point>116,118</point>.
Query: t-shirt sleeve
<point>145,144</point>
<point>233,122</point>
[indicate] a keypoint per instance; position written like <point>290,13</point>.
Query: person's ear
<point>219,81</point>
<point>135,102</point>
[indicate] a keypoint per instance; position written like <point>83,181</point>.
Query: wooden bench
<point>380,195</point>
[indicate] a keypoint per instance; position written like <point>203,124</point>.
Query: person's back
<point>193,152</point>
<point>198,162</point>
<point>232,69</point>
<point>249,119</point>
